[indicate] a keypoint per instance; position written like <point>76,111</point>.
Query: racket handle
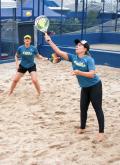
<point>49,33</point>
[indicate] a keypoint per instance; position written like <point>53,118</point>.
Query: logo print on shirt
<point>27,53</point>
<point>82,64</point>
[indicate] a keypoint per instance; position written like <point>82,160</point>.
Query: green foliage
<point>91,19</point>
<point>73,24</point>
<point>66,26</point>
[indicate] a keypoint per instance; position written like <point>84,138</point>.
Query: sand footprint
<point>115,160</point>
<point>42,153</point>
<point>57,146</point>
<point>60,113</point>
<point>85,138</point>
<point>108,144</point>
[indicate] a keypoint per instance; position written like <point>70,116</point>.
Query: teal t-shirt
<point>27,55</point>
<point>84,64</point>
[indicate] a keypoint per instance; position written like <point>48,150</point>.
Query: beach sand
<point>42,130</point>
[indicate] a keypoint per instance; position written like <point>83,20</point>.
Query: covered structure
<point>97,21</point>
<point>5,5</point>
<point>34,8</point>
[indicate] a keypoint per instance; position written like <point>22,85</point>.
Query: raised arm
<point>55,48</point>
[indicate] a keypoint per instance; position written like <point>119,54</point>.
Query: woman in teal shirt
<point>27,53</point>
<point>91,85</point>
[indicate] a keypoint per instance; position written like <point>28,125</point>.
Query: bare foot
<point>9,94</point>
<point>38,95</point>
<point>80,131</point>
<point>100,137</point>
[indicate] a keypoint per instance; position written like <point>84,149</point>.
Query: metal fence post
<point>43,7</point>
<point>0,29</point>
<point>116,19</point>
<point>21,9</point>
<point>83,13</point>
<point>86,7</point>
<point>103,13</point>
<point>76,7</point>
<point>37,32</point>
<point>61,17</point>
<point>33,10</point>
<point>43,12</point>
<point>38,7</point>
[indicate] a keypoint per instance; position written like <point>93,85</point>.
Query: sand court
<point>42,130</point>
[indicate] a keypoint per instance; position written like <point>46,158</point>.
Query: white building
<point>8,4</point>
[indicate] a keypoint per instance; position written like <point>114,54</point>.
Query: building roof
<point>48,12</point>
<point>8,4</point>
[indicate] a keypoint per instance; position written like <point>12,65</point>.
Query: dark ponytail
<point>87,53</point>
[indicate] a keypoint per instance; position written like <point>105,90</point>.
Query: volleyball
<point>28,13</point>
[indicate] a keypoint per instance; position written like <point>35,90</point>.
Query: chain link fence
<point>66,17</point>
<point>85,16</point>
<point>9,38</point>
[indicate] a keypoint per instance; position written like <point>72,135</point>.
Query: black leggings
<point>92,94</point>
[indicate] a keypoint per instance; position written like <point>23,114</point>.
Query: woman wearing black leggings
<point>92,94</point>
<point>91,85</point>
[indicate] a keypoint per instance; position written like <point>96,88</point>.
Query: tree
<point>91,19</point>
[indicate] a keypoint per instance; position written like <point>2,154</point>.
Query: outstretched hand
<point>75,72</point>
<point>45,59</point>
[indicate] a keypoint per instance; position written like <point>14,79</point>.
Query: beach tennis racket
<point>42,23</point>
